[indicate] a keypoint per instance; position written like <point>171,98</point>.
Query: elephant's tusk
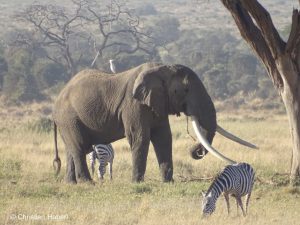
<point>232,137</point>
<point>205,143</point>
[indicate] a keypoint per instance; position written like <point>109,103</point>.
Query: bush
<point>42,125</point>
<point>48,74</point>
<point>19,84</point>
<point>3,70</point>
<point>10,169</point>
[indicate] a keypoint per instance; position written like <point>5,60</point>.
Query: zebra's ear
<point>203,194</point>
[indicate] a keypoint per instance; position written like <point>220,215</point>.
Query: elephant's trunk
<point>201,135</point>
<point>207,118</point>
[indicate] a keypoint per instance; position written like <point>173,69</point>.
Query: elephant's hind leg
<point>70,176</point>
<point>76,141</point>
<point>81,168</point>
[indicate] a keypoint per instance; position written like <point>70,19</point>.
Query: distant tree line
<point>36,63</point>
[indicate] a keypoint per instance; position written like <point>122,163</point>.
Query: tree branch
<point>253,35</point>
<point>293,43</point>
<point>265,24</point>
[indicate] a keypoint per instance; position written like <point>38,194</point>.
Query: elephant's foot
<point>166,171</point>
<point>83,176</point>
<point>70,179</point>
<point>84,179</point>
<point>70,176</point>
<point>137,178</point>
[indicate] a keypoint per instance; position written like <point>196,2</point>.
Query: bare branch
<point>253,35</point>
<point>293,43</point>
<point>123,36</point>
<point>63,32</point>
<point>265,24</point>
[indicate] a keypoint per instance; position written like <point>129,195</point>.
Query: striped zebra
<point>237,180</point>
<point>104,154</point>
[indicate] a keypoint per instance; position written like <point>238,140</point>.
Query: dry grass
<point>28,187</point>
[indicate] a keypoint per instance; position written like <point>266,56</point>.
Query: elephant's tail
<point>56,161</point>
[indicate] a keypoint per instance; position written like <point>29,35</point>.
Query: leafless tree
<point>281,59</point>
<point>55,29</point>
<point>71,35</point>
<point>118,30</point>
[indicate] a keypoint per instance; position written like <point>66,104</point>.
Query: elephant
<point>95,107</point>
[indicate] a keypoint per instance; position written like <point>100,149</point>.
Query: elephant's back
<point>87,74</point>
<point>85,80</point>
<point>91,97</point>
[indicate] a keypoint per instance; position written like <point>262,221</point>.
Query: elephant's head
<point>174,89</point>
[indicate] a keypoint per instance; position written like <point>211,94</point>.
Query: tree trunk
<point>281,59</point>
<point>291,97</point>
<point>292,104</point>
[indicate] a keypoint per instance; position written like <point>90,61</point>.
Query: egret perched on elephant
<point>97,108</point>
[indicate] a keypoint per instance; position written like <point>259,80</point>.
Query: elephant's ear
<point>150,90</point>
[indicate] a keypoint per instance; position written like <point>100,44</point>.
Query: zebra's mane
<point>214,181</point>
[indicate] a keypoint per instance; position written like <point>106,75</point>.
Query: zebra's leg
<point>100,176</point>
<point>92,161</point>
<point>247,200</point>
<point>240,203</point>
<point>110,170</point>
<point>227,202</point>
<point>93,168</point>
<point>102,168</point>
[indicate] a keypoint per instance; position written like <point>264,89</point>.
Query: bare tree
<point>281,59</point>
<point>118,30</point>
<point>55,29</point>
<point>71,34</point>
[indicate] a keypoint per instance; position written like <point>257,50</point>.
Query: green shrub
<point>19,84</point>
<point>48,74</point>
<point>10,169</point>
<point>42,125</point>
<point>141,189</point>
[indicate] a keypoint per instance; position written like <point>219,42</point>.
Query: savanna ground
<point>30,194</point>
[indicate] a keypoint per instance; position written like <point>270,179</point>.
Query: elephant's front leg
<point>161,139</point>
<point>139,140</point>
<point>139,158</point>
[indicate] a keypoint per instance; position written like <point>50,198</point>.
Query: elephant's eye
<point>175,91</point>
<point>186,90</point>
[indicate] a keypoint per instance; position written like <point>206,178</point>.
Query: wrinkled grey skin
<point>98,108</point>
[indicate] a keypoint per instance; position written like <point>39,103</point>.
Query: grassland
<point>30,194</point>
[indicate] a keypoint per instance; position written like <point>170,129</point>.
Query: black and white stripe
<point>237,180</point>
<point>104,154</point>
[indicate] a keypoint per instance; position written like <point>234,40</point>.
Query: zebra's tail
<point>56,161</point>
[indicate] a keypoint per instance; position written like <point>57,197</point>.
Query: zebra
<point>237,180</point>
<point>104,154</point>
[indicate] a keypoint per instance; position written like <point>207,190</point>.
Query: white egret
<point>112,66</point>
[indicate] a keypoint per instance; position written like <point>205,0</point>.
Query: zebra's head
<point>208,204</point>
